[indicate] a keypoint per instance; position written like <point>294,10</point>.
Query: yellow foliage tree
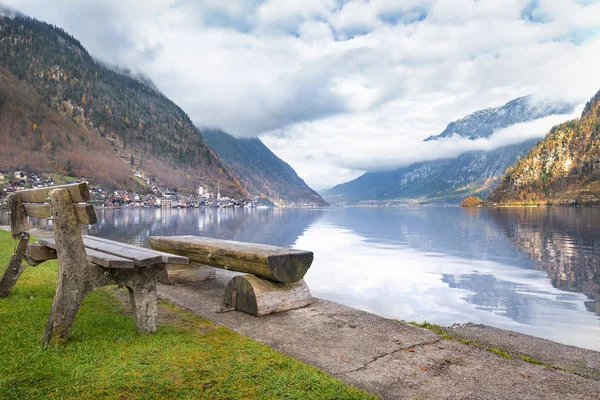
<point>472,201</point>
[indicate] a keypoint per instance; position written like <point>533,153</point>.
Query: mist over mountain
<point>483,123</point>
<point>449,180</point>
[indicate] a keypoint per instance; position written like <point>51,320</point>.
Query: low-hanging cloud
<point>411,152</point>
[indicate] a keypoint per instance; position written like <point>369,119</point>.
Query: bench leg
<point>15,267</point>
<point>143,296</point>
<point>11,275</point>
<point>67,300</point>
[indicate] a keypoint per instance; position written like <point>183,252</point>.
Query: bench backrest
<point>35,203</point>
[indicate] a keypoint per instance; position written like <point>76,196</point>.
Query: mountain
<point>451,180</point>
<point>483,123</point>
<point>260,171</point>
<point>63,112</point>
<point>440,181</point>
<point>564,167</point>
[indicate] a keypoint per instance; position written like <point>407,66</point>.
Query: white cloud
<point>417,151</point>
<point>336,87</point>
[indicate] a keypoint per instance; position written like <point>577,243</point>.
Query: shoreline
<point>395,359</point>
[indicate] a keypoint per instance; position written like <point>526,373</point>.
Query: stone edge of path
<point>577,360</point>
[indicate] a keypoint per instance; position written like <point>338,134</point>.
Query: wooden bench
<point>274,275</point>
<point>85,263</point>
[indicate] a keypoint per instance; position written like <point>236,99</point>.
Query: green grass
<point>499,352</point>
<point>60,179</point>
<point>433,327</point>
<point>189,357</point>
<point>440,331</point>
<point>532,360</point>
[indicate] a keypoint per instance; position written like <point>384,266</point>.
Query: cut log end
<point>290,268</point>
<point>258,297</point>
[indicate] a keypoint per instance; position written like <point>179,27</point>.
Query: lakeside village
<point>158,198</point>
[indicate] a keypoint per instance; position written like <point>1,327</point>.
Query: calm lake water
<point>534,271</point>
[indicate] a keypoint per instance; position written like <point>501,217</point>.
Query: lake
<point>531,270</point>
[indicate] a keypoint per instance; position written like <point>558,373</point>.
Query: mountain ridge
<point>260,171</point>
<point>483,123</point>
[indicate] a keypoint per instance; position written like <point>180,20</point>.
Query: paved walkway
<point>394,359</point>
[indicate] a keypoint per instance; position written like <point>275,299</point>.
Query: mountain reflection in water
<point>529,270</point>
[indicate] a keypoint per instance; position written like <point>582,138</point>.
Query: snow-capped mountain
<point>451,180</point>
<point>483,123</point>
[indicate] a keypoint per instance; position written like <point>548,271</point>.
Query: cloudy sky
<point>339,87</point>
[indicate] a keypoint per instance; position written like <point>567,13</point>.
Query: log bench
<point>273,279</point>
<point>85,263</point>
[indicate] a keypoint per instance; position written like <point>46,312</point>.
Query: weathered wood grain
<point>96,257</point>
<point>72,285</point>
<point>79,192</point>
<point>278,264</point>
<point>140,256</point>
<point>85,213</point>
<point>167,258</point>
<point>175,274</point>
<point>38,253</point>
<point>261,297</point>
<point>77,277</point>
<point>18,215</point>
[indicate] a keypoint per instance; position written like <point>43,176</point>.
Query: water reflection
<point>529,270</point>
<point>278,227</point>
<point>564,242</point>
<point>443,266</point>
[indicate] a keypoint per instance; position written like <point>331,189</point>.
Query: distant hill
<point>260,171</point>
<point>451,180</point>
<point>564,167</point>
<point>61,111</point>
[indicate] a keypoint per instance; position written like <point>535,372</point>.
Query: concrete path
<point>392,359</point>
<point>581,361</point>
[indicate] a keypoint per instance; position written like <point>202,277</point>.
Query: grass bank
<point>189,357</point>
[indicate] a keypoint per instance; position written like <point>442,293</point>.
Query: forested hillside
<point>562,168</point>
<point>260,171</point>
<point>61,111</point>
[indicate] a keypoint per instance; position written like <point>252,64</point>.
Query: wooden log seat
<point>84,262</point>
<point>274,275</point>
<point>278,264</point>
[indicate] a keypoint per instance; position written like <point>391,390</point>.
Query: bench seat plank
<point>140,256</point>
<point>94,256</point>
<point>167,258</point>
